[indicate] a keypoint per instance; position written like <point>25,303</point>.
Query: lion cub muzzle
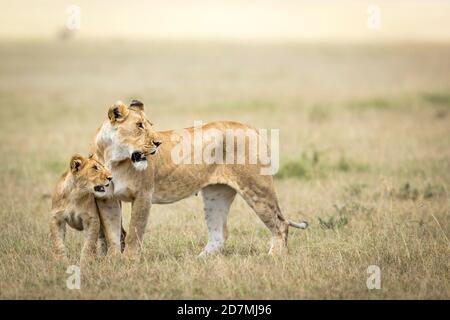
<point>100,189</point>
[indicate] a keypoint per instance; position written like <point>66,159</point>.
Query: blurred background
<point>248,20</point>
<point>270,63</point>
<point>360,91</point>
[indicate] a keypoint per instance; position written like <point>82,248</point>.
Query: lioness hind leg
<point>260,195</point>
<point>217,200</point>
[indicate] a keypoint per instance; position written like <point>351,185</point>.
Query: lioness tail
<point>300,225</point>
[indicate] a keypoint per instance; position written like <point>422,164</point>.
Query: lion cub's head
<point>91,176</point>
<point>132,135</point>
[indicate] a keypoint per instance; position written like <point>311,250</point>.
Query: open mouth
<point>99,189</point>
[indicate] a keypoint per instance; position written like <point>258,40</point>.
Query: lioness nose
<point>157,143</point>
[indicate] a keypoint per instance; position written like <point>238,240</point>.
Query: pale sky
<point>258,20</point>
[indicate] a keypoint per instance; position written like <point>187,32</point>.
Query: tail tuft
<point>299,225</point>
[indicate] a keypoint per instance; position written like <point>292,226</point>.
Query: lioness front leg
<point>103,244</point>
<point>140,211</point>
<point>57,233</point>
<point>110,212</point>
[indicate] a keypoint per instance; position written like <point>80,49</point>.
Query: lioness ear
<point>76,163</point>
<point>136,104</point>
<point>118,112</point>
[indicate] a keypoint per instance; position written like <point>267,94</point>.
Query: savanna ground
<point>365,158</point>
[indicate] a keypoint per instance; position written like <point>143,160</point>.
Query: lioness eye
<point>95,167</point>
<point>140,125</point>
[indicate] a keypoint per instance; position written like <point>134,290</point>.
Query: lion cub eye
<point>140,125</point>
<point>95,168</point>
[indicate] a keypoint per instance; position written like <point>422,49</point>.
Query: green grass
<point>313,165</point>
<point>439,99</point>
<point>373,103</point>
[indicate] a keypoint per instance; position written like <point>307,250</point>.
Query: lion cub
<point>73,202</point>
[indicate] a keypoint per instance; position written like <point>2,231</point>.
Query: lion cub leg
<point>102,243</point>
<point>217,200</point>
<point>57,234</point>
<point>91,227</point>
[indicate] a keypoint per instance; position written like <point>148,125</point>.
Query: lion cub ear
<point>118,112</point>
<point>136,104</point>
<point>76,163</point>
<point>92,156</point>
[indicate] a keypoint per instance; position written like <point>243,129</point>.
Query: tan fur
<point>73,203</point>
<point>166,182</point>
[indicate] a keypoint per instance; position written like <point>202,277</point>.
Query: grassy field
<point>365,154</point>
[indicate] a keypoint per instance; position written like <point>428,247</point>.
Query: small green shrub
<point>333,222</point>
<point>373,103</point>
<point>438,99</point>
<point>313,165</point>
<point>407,192</point>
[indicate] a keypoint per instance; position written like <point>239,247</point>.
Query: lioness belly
<point>175,191</point>
<point>158,199</point>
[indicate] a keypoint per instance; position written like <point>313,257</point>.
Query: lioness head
<point>91,176</point>
<point>133,134</point>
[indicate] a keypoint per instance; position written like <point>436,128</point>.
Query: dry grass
<point>365,158</point>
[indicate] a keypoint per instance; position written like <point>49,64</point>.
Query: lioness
<point>124,143</point>
<point>73,202</point>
